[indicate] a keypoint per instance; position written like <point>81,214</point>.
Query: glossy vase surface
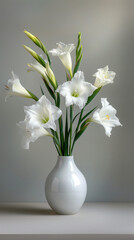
<point>65,186</point>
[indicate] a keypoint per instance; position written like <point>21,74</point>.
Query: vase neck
<point>65,161</point>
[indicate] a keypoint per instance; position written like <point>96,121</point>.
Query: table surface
<point>93,218</point>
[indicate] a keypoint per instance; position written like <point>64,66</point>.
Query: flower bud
<point>51,75</point>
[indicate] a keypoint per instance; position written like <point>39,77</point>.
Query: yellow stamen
<point>107,117</point>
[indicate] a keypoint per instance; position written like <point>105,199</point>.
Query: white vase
<point>65,187</point>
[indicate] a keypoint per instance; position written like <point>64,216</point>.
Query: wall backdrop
<point>108,38</point>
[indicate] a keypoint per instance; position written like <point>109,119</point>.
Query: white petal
<point>77,90</point>
<point>106,117</point>
<point>66,60</point>
<point>104,77</point>
<point>14,87</point>
<point>30,135</point>
<point>104,102</point>
<point>108,130</point>
<point>63,52</point>
<point>42,114</point>
<point>38,68</point>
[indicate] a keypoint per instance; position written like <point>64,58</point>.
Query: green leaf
<point>88,114</point>
<point>93,95</point>
<point>58,100</point>
<point>61,133</point>
<point>56,142</point>
<point>76,116</point>
<point>80,132</point>
<point>41,90</point>
<point>49,89</point>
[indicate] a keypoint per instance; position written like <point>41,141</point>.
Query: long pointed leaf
<point>80,132</point>
<point>88,114</point>
<point>93,95</point>
<point>41,90</point>
<point>49,89</point>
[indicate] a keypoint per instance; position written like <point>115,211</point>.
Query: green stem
<point>71,73</point>
<point>66,135</point>
<point>77,128</point>
<point>71,119</point>
<point>56,141</point>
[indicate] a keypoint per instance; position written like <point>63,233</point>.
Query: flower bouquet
<point>40,117</point>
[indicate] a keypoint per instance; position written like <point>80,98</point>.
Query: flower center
<point>75,93</point>
<point>106,76</point>
<point>107,117</point>
<point>45,119</point>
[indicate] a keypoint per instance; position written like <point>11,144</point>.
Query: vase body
<point>65,187</point>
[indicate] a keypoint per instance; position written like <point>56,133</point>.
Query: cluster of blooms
<point>42,115</point>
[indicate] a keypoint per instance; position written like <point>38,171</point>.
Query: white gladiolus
<point>76,91</point>
<point>63,51</point>
<point>15,88</point>
<point>42,114</point>
<point>106,117</point>
<point>31,135</point>
<point>103,77</point>
<point>36,66</point>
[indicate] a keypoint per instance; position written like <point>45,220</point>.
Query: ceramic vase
<point>65,186</point>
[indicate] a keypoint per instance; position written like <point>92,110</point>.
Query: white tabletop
<point>94,219</point>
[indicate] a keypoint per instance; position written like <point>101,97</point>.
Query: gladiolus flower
<point>15,88</point>
<point>31,135</point>
<point>42,114</point>
<point>106,117</point>
<point>103,77</point>
<point>63,51</point>
<point>77,90</point>
<point>36,66</point>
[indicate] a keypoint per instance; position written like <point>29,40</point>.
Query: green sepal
<point>77,64</point>
<point>35,55</point>
<point>68,77</point>
<point>52,83</point>
<point>33,96</point>
<point>38,42</point>
<point>78,44</point>
<point>79,53</point>
<point>87,121</point>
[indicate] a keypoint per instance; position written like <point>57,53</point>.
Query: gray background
<point>108,37</point>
